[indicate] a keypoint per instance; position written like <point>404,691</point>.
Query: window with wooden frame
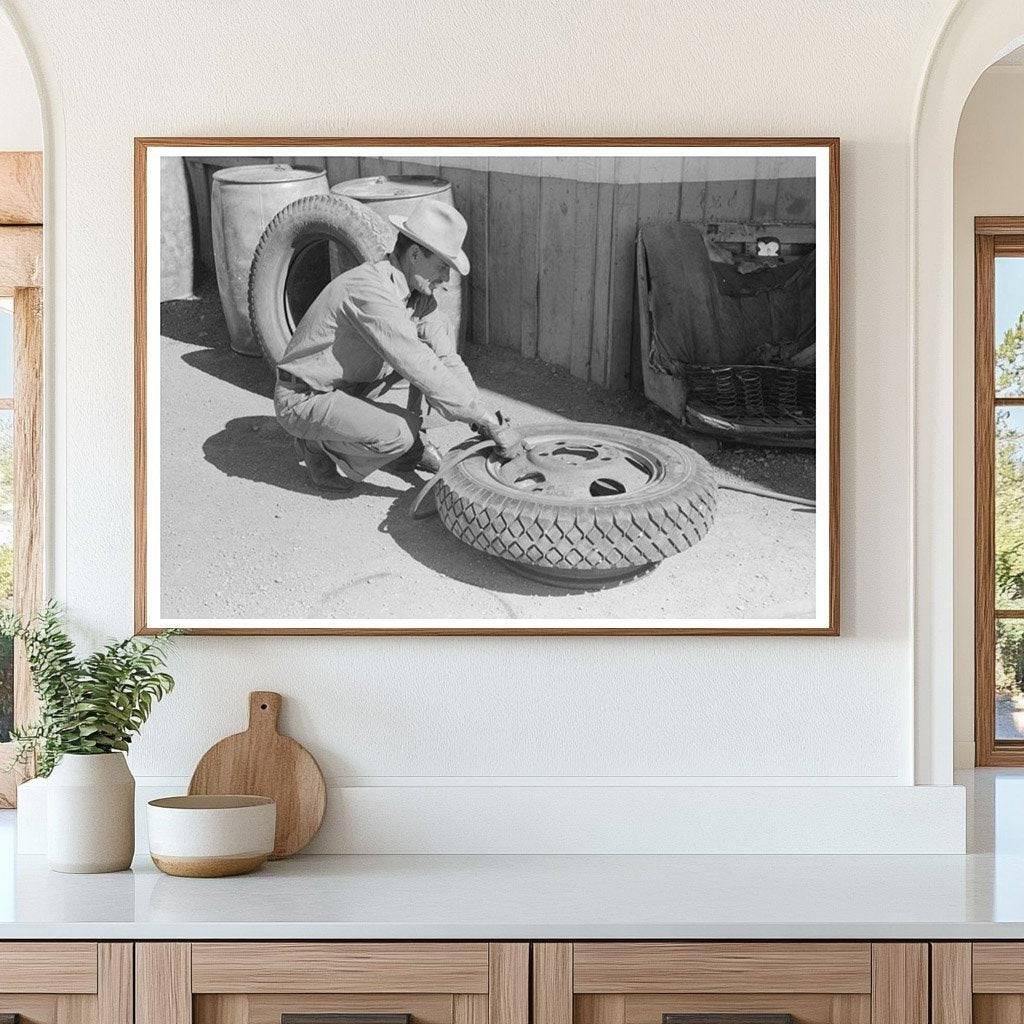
<point>999,490</point>
<point>21,351</point>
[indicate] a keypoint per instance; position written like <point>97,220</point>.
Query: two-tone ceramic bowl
<point>211,836</point>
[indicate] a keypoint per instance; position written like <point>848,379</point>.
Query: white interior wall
<point>440,716</point>
<point>988,181</point>
<point>21,125</point>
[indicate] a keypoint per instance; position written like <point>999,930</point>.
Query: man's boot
<point>422,455</point>
<point>323,472</point>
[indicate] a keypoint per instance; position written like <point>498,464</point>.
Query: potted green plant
<point>89,710</point>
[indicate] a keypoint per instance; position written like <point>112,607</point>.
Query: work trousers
<point>360,433</point>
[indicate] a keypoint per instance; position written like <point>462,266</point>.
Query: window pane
<point>6,348</point>
<point>1009,524</point>
<point>1009,325</point>
<point>1009,679</point>
<point>6,567</point>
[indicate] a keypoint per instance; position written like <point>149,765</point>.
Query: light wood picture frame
<point>520,199</point>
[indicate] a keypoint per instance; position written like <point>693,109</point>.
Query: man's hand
<point>508,440</point>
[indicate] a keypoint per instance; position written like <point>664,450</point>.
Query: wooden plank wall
<point>552,242</point>
<point>553,248</point>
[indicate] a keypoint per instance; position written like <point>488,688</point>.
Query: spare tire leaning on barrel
<point>291,263</point>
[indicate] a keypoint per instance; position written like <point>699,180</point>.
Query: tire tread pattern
<point>582,536</point>
<point>356,227</point>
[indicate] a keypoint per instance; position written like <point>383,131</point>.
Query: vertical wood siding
<point>552,242</point>
<point>552,245</point>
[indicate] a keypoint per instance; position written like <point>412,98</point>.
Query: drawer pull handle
<point>341,1018</point>
<point>728,1018</point>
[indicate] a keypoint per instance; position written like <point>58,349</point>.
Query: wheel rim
<point>574,466</point>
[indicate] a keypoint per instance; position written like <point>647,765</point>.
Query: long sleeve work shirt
<point>361,325</point>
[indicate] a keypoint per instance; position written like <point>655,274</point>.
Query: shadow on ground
<point>200,322</point>
<point>256,448</point>
<point>196,321</point>
<point>245,372</point>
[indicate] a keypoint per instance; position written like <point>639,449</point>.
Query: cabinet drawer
<point>260,982</point>
<point>48,967</point>
<point>630,967</point>
<point>750,982</point>
<point>998,967</point>
<point>340,967</point>
<point>66,982</point>
<point>271,1008</point>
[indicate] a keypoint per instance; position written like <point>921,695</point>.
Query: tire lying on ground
<point>293,261</point>
<point>553,516</point>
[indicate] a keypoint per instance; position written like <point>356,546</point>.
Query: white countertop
<point>532,897</point>
<point>978,896</point>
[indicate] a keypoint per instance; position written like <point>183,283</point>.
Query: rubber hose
<point>449,462</point>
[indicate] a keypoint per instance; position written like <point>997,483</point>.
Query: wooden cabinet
<point>979,982</point>
<point>66,982</point>
<point>259,982</point>
<point>494,983</point>
<point>645,982</point>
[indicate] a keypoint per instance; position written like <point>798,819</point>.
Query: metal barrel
<point>244,201</point>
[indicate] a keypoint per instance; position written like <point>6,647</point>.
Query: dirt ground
<point>244,535</point>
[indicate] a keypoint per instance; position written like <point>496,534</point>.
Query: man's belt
<point>358,389</point>
<point>297,382</point>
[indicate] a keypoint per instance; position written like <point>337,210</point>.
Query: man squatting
<point>374,319</point>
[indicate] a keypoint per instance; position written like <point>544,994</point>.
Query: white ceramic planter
<point>90,814</point>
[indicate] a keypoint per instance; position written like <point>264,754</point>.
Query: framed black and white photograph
<point>504,386</point>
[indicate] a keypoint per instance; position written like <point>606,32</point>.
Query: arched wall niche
<point>976,34</point>
<point>21,123</point>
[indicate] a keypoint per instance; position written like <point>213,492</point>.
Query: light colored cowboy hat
<point>438,227</point>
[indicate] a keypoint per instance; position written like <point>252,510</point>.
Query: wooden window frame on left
<point>21,277</point>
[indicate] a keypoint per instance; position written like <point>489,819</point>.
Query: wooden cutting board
<point>262,762</point>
